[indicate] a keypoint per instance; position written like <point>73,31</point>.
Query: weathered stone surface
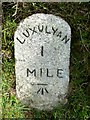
<point>42,52</point>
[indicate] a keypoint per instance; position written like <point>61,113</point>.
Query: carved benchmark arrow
<point>42,90</point>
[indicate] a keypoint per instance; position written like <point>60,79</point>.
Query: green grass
<point>78,106</point>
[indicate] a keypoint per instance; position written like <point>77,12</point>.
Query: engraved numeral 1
<point>42,51</point>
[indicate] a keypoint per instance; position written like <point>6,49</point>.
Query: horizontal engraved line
<point>41,84</point>
<point>38,84</point>
<point>20,60</point>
